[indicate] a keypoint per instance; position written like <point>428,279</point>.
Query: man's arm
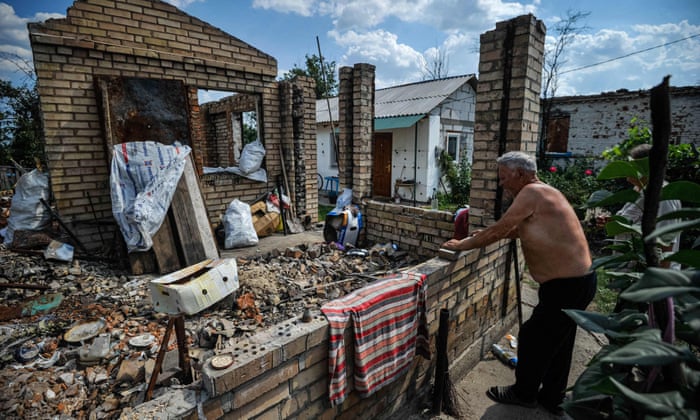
<point>507,227</point>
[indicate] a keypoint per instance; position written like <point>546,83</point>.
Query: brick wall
<point>599,122</point>
<point>145,39</point>
<point>283,372</point>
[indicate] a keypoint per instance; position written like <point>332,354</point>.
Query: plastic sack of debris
<point>27,212</point>
<point>251,157</point>
<point>238,226</point>
<point>144,177</point>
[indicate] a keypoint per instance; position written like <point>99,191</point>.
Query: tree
<point>435,64</point>
<point>565,30</point>
<point>326,83</point>
<point>20,125</point>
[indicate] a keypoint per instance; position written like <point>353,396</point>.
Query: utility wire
<point>628,55</point>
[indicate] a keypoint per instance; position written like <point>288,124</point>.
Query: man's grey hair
<point>518,160</point>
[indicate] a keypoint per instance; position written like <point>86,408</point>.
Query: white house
<point>413,123</point>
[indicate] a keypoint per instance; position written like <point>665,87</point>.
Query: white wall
<point>324,157</point>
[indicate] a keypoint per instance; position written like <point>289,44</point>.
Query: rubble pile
<point>80,339</point>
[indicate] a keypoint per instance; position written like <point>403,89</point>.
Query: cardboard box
<point>194,288</point>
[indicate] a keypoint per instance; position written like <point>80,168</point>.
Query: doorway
<point>381,167</point>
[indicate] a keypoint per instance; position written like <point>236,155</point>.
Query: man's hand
<point>452,244</point>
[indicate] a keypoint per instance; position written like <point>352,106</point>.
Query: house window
<point>452,146</point>
<point>334,153</point>
<point>558,134</point>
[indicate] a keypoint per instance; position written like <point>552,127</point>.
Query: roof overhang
<point>390,123</point>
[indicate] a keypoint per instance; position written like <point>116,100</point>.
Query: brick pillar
<point>507,106</point>
<point>345,107</point>
<point>356,126</point>
<point>362,130</point>
<point>298,117</point>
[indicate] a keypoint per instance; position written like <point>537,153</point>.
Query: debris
<point>104,307</point>
<point>59,251</point>
<point>85,331</point>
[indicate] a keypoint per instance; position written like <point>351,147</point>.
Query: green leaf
<point>659,283</point>
<point>618,225</point>
<point>688,257</point>
<point>624,196</point>
<point>684,213</point>
<point>648,352</point>
<point>674,227</point>
<point>681,190</point>
<point>660,404</point>
<point>614,259</point>
<point>608,324</point>
<point>619,169</point>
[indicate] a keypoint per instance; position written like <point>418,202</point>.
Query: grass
<point>605,299</point>
<point>323,211</point>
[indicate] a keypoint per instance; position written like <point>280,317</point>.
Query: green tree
<point>458,177</point>
<point>20,125</point>
<point>326,83</point>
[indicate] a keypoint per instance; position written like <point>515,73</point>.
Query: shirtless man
<point>557,256</point>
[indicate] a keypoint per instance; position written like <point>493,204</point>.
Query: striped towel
<point>389,328</point>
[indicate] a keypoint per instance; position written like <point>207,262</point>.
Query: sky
<point>621,44</point>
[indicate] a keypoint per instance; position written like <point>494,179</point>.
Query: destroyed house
<point>116,71</point>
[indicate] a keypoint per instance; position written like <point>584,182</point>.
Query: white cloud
<point>634,59</point>
<point>301,7</point>
<point>182,4</point>
<point>380,48</point>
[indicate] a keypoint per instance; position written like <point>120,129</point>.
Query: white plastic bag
<point>344,199</point>
<point>251,157</point>
<point>26,211</point>
<point>238,226</point>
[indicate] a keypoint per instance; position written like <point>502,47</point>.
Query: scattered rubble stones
<point>105,375</point>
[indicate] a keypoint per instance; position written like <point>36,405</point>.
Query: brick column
<point>356,124</point>
<point>345,107</point>
<point>507,106</point>
<point>363,130</point>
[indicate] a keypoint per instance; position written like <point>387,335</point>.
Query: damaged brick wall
<point>153,40</point>
<point>298,118</point>
<point>283,372</point>
<point>599,122</point>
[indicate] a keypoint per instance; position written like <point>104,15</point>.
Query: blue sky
<point>397,35</point>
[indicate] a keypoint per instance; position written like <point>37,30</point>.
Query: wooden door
<point>381,167</point>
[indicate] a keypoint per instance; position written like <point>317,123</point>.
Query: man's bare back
<point>552,239</point>
<point>551,235</point>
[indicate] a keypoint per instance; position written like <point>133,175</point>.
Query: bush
<point>576,181</point>
<point>459,180</point>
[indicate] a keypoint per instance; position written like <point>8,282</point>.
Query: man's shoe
<point>506,395</point>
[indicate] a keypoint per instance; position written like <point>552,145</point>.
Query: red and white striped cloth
<point>389,328</point>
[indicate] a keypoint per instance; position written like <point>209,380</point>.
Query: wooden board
<point>190,214</point>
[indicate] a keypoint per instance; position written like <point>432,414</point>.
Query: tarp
<point>143,179</point>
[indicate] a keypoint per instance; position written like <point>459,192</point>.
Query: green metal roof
<point>396,122</point>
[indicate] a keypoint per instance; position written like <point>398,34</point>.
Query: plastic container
<point>505,356</point>
<point>461,230</point>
